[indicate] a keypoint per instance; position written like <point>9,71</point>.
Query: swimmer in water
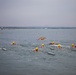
<point>53,43</point>
<point>42,38</point>
<point>42,46</point>
<point>36,49</point>
<point>59,46</point>
<point>13,43</point>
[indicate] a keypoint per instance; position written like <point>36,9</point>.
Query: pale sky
<point>38,13</point>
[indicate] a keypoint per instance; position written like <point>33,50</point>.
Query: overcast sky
<point>38,13</point>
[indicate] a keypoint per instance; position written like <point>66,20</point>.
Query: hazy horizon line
<point>8,27</point>
<point>38,26</point>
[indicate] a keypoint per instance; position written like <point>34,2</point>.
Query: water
<point>20,59</point>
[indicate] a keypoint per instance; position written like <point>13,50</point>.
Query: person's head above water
<point>13,43</point>
<point>59,46</point>
<point>36,49</point>
<point>42,45</point>
<point>73,45</point>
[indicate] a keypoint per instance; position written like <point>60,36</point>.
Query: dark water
<point>20,59</point>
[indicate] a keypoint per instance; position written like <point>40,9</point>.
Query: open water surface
<point>20,59</point>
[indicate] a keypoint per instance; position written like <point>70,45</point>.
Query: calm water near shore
<point>20,59</point>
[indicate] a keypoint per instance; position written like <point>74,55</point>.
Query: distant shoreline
<point>37,27</point>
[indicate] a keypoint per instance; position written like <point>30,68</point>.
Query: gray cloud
<point>38,12</point>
